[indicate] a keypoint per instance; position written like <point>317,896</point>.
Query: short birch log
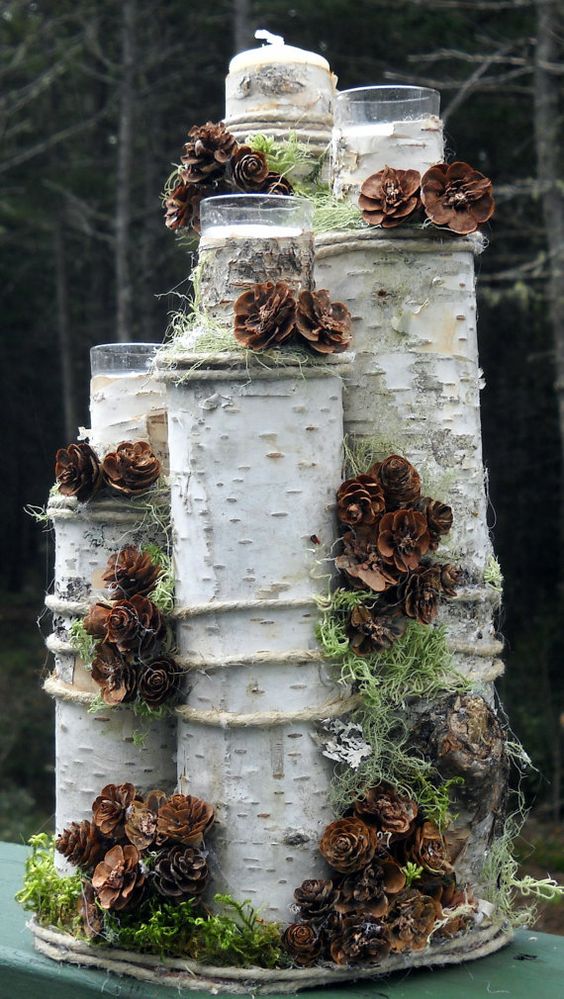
<point>292,95</point>
<point>127,406</point>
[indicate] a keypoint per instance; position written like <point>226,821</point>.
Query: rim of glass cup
<point>381,93</point>
<point>288,204</point>
<point>135,356</point>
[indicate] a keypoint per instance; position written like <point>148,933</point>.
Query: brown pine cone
<point>403,539</point>
<point>439,519</point>
<point>158,681</point>
<point>410,920</point>
<point>314,898</point>
<point>451,577</point>
<point>390,812</point>
<point>438,885</point>
<point>115,675</point>
<point>135,625</point>
<point>89,912</point>
<point>400,481</point>
<point>131,571</point>
<point>429,850</point>
<point>82,844</point>
<point>326,326</point>
<point>360,501</point>
<point>77,471</point>
<point>421,594</point>
<point>348,845</point>
<point>372,630</point>
<point>181,872</point>
<point>457,196</point>
<point>276,183</point>
<point>207,152</point>
<point>265,316</point>
<point>249,169</point>
<point>303,943</point>
<point>363,893</point>
<point>184,819</point>
<point>119,878</point>
<point>362,563</point>
<point>109,808</point>
<point>360,941</point>
<point>95,620</point>
<point>389,197</point>
<point>131,469</point>
<point>140,824</point>
<point>182,205</point>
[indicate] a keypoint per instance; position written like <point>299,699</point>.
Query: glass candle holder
<point>255,216</point>
<point>116,357</point>
<point>395,126</point>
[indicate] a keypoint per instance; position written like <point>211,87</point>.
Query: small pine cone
<point>140,824</point>
<point>348,845</point>
<point>118,880</point>
<point>77,471</point>
<point>184,819</point>
<point>372,631</point>
<point>457,196</point>
<point>131,571</point>
<point>115,675</point>
<point>135,626</point>
<point>89,912</point>
<point>182,205</point>
<point>363,893</point>
<point>96,620</point>
<point>421,594</point>
<point>314,898</point>
<point>410,920</point>
<point>326,326</point>
<point>439,519</point>
<point>131,469</point>
<point>249,169</point>
<point>389,197</point>
<point>386,809</point>
<point>276,183</point>
<point>429,850</point>
<point>109,808</point>
<point>303,943</point>
<point>360,941</point>
<point>158,681</point>
<point>181,872</point>
<point>451,577</point>
<point>400,481</point>
<point>265,316</point>
<point>82,844</point>
<point>403,539</point>
<point>207,152</point>
<point>360,501</point>
<point>362,563</point>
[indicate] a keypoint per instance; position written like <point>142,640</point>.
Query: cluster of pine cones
<point>390,531</point>
<point>128,471</point>
<point>270,315</point>
<point>393,887</point>
<point>137,846</point>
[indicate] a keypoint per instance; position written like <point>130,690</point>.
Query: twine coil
<point>227,606</point>
<point>293,658</point>
<point>66,692</point>
<point>329,244</point>
<point>228,719</point>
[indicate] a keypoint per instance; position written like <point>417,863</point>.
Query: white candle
<point>276,51</point>
<point>251,231</point>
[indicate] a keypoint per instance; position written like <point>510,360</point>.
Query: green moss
<point>53,898</point>
<point>493,575</point>
<point>329,213</point>
<point>163,593</point>
<point>83,643</point>
<point>288,157</point>
<point>412,872</point>
<point>502,884</point>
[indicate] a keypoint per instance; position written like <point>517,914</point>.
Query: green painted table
<point>532,967</point>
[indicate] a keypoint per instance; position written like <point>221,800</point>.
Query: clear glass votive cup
<point>106,358</point>
<point>372,105</point>
<point>248,216</point>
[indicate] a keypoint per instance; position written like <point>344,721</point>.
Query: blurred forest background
<point>95,99</point>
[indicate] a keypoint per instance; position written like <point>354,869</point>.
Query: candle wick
<point>268,37</point>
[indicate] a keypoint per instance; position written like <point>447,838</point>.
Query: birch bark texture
<point>124,406</point>
<point>255,462</point>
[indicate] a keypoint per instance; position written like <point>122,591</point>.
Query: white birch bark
<point>290,94</point>
<point>125,406</point>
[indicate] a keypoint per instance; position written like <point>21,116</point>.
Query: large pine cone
<point>421,594</point>
<point>82,844</point>
<point>184,819</point>
<point>372,630</point>
<point>410,920</point>
<point>131,571</point>
<point>206,153</point>
<point>181,872</point>
<point>119,878</point>
<point>400,481</point>
<point>348,845</point>
<point>360,941</point>
<point>109,808</point>
<point>456,195</point>
<point>131,469</point>
<point>77,471</point>
<point>249,169</point>
<point>360,501</point>
<point>115,675</point>
<point>314,898</point>
<point>389,197</point>
<point>326,326</point>
<point>265,316</point>
<point>403,539</point>
<point>363,564</point>
<point>158,681</point>
<point>135,625</point>
<point>303,943</point>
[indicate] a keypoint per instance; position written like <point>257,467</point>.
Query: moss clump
<point>52,897</point>
<point>83,643</point>
<point>329,213</point>
<point>288,157</point>
<point>163,593</point>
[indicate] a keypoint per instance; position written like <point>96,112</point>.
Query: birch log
<point>124,406</point>
<point>255,461</point>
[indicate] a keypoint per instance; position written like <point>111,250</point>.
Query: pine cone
<point>115,675</point>
<point>207,152</point>
<point>181,872</point>
<point>158,681</point>
<point>387,810</point>
<point>131,469</point>
<point>362,563</point>
<point>265,316</point>
<point>182,206</point>
<point>389,197</point>
<point>276,183</point>
<point>184,819</point>
<point>131,571</point>
<point>82,844</point>
<point>303,943</point>
<point>400,481</point>
<point>360,941</point>
<point>428,849</point>
<point>360,501</point>
<point>119,878</point>
<point>77,471</point>
<point>249,169</point>
<point>89,912</point>
<point>325,325</point>
<point>371,630</point>
<point>135,625</point>
<point>314,898</point>
<point>457,196</point>
<point>95,620</point>
<point>451,577</point>
<point>403,539</point>
<point>348,845</point>
<point>140,824</point>
<point>109,808</point>
<point>439,519</point>
<point>410,920</point>
<point>363,893</point>
<point>421,594</point>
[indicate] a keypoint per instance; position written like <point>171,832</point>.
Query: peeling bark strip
<point>263,470</point>
<point>229,267</point>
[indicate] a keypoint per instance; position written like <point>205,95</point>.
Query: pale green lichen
<point>163,593</point>
<point>82,643</point>
<point>290,158</point>
<point>493,575</point>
